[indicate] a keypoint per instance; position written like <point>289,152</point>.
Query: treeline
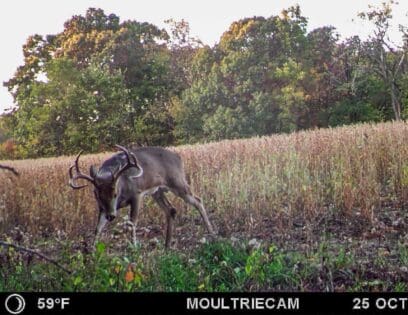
<point>102,81</point>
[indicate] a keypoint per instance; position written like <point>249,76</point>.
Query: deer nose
<point>110,217</point>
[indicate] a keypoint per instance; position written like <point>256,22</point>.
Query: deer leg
<point>99,227</point>
<point>196,202</point>
<point>185,194</point>
<point>170,212</point>
<point>134,211</point>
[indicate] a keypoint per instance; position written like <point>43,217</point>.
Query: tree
<point>76,108</point>
<point>235,91</point>
<point>96,83</point>
<point>182,48</point>
<point>85,36</point>
<point>388,59</point>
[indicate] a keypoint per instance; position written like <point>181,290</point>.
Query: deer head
<point>105,181</point>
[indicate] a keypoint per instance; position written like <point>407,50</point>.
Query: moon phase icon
<point>15,304</point>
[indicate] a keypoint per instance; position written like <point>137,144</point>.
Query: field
<point>322,210</point>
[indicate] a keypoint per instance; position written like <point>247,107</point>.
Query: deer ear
<point>92,171</point>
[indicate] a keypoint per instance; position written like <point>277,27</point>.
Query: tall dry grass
<point>352,170</point>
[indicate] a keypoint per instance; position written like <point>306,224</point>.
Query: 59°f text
<point>52,303</point>
<point>243,303</point>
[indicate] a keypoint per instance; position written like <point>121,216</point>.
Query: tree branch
<point>31,251</point>
<point>400,63</point>
<point>9,168</point>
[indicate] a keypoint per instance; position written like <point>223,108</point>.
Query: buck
<point>125,178</point>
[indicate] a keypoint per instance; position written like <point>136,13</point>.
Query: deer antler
<point>131,162</point>
<point>78,175</point>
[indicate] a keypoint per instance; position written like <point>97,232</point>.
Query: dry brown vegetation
<point>248,185</point>
<point>337,196</point>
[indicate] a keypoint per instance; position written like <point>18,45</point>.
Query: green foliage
<point>218,266</point>
<point>101,81</point>
<point>95,84</point>
<point>74,108</point>
<point>222,267</point>
<point>234,95</point>
<point>269,75</point>
<point>172,273</point>
<point>347,112</point>
<point>385,61</point>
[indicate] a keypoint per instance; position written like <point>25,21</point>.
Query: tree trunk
<point>396,106</point>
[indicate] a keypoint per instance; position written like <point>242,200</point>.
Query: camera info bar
<point>202,303</point>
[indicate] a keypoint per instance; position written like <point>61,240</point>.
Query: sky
<point>208,19</point>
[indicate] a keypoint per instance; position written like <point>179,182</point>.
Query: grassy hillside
<point>344,188</point>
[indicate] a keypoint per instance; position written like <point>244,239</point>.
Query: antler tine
<point>73,178</point>
<point>78,175</point>
<point>76,164</point>
<point>129,163</point>
<point>128,154</point>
